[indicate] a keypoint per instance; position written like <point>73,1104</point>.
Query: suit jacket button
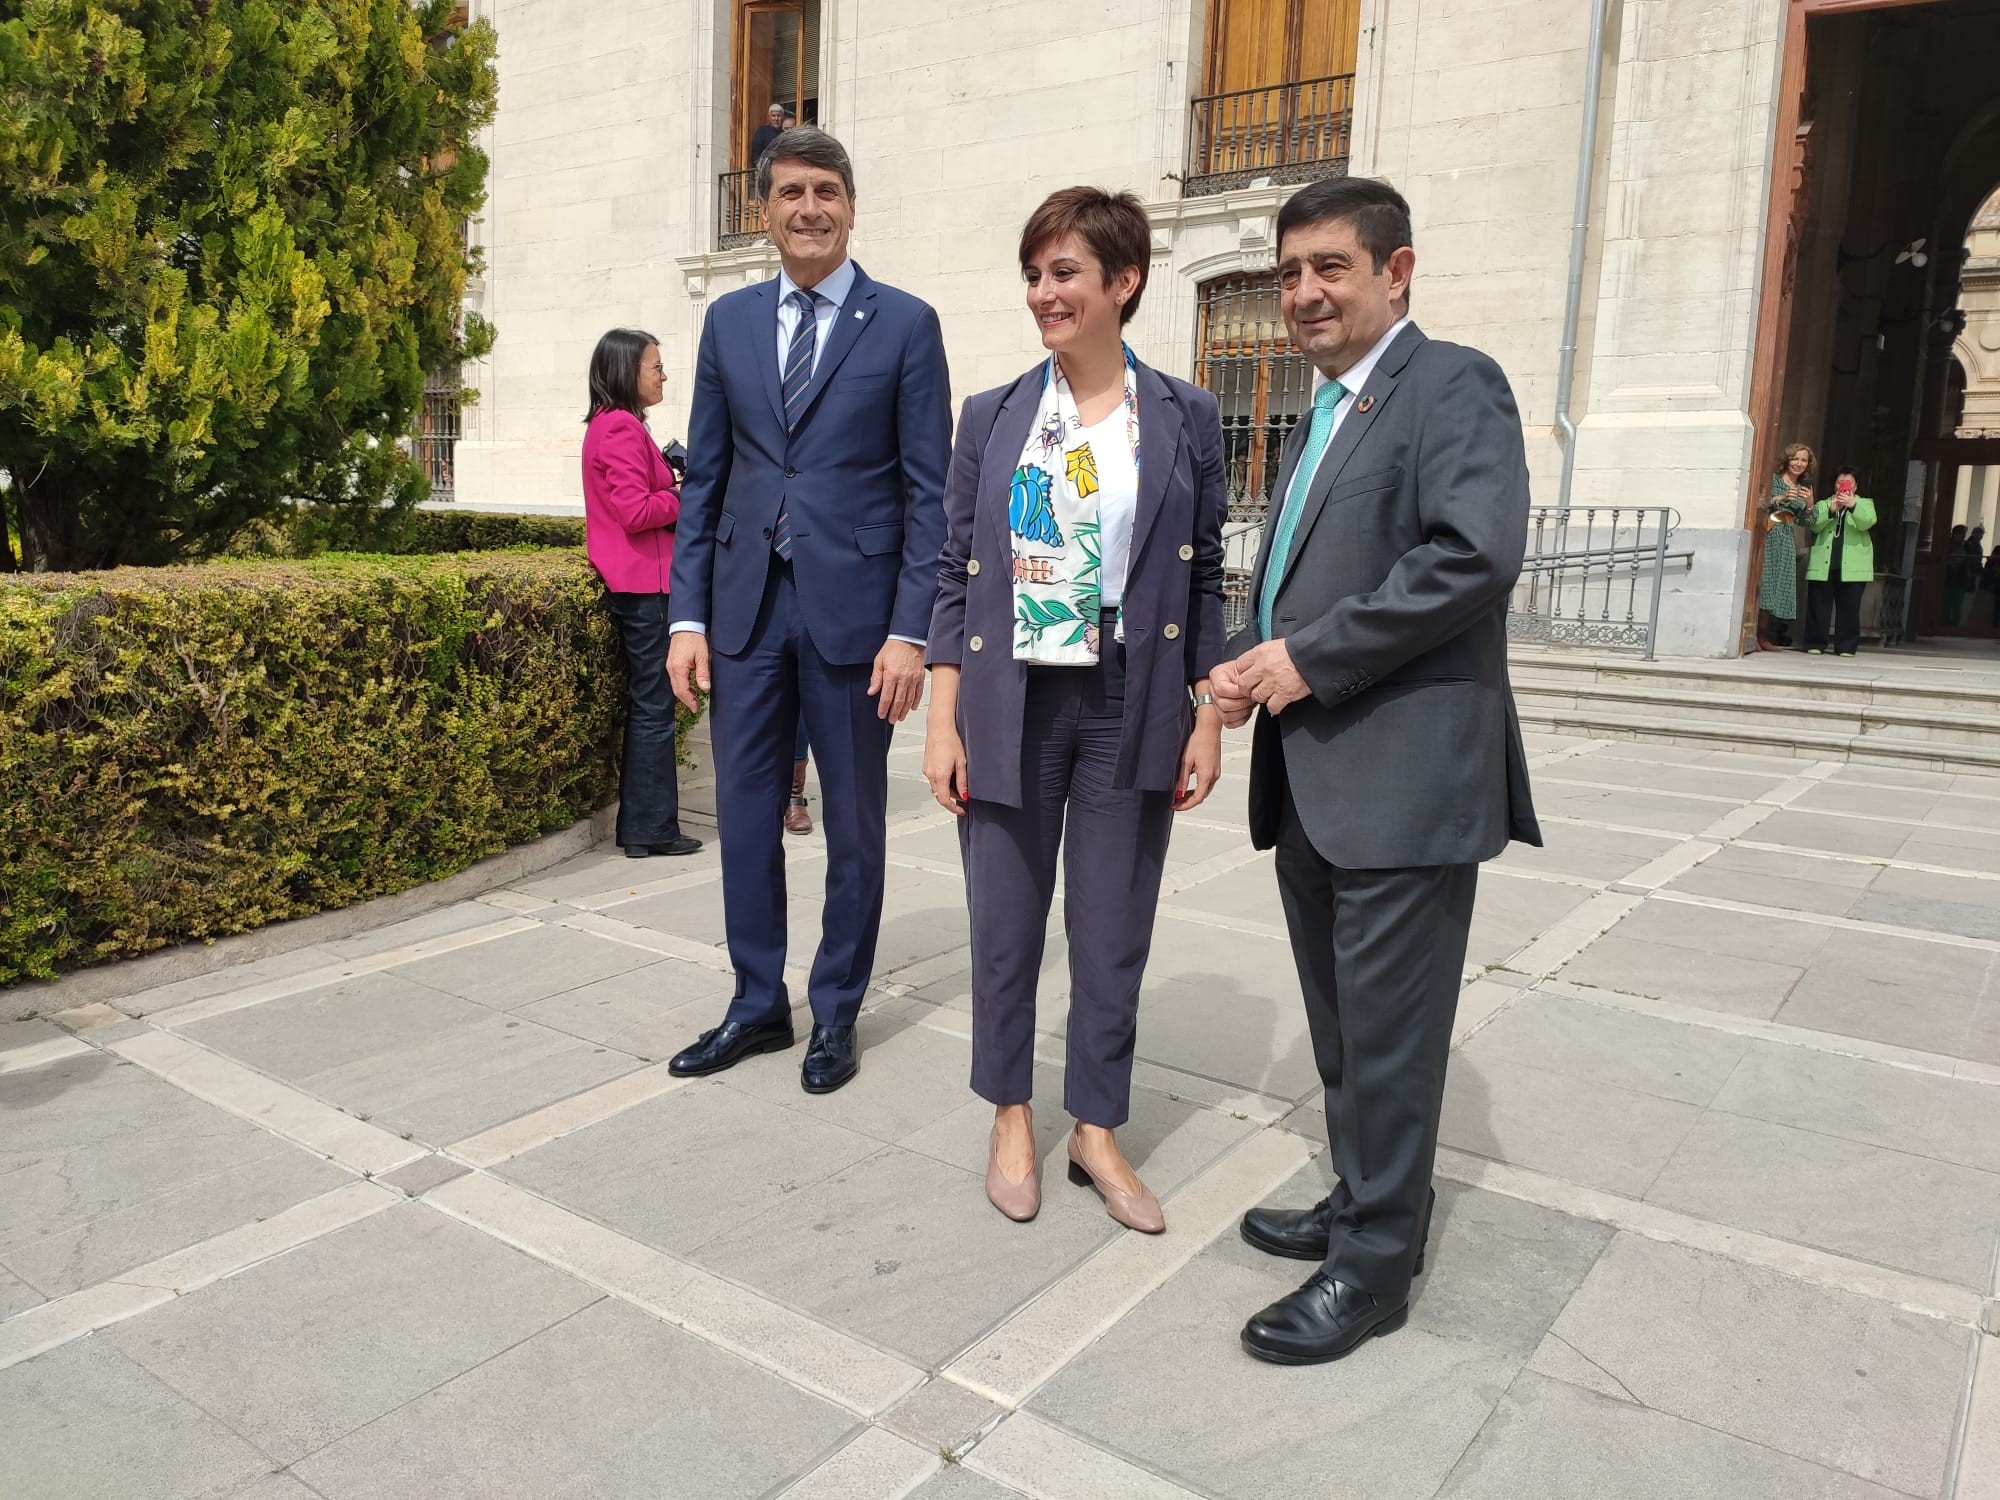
<point>975,643</point>
<point>1187,552</point>
<point>790,472</point>
<point>1172,632</point>
<point>972,565</point>
<point>767,533</point>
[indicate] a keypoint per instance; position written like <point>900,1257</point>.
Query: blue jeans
<point>649,797</point>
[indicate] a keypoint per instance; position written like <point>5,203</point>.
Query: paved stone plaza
<point>420,1213</point>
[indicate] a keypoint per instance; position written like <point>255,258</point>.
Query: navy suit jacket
<point>862,473</point>
<point>1174,631</point>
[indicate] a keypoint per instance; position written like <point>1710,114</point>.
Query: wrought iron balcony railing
<point>739,214</point>
<point>1290,132</point>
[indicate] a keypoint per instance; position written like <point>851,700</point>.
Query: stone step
<point>1799,741</point>
<point>1749,712</point>
<point>1958,693</point>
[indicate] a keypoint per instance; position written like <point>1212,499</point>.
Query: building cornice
<point>1253,211</point>
<point>751,263</point>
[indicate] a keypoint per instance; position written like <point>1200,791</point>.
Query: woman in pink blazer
<point>630,505</point>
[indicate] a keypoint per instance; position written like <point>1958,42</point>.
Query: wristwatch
<point>1204,698</point>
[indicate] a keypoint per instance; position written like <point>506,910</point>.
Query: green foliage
<point>187,752</point>
<point>311,530</point>
<point>231,245</point>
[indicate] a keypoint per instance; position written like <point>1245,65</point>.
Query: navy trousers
<point>649,798</point>
<point>759,695</point>
<point>1113,845</point>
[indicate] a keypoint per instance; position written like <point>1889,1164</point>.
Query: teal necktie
<point>1317,436</point>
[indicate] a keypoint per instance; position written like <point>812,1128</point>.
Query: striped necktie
<point>1318,435</point>
<point>798,381</point>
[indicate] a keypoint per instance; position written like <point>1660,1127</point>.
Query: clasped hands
<point>1263,674</point>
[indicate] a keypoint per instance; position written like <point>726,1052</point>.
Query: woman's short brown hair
<point>1113,226</point>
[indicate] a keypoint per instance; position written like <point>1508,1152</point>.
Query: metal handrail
<point>1286,132</point>
<point>1580,569</point>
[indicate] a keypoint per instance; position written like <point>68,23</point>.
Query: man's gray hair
<point>811,145</point>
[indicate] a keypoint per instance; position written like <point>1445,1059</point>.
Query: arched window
<point>1264,384</point>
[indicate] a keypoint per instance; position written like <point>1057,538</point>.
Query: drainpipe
<point>1579,234</point>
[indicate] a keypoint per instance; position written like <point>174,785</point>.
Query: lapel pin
<point>857,315</point>
<point>1364,404</point>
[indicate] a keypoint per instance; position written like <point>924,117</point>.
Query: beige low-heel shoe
<point>1019,1201</point>
<point>1141,1212</point>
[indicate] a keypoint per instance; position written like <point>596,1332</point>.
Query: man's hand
<point>1266,673</point>
<point>687,657</point>
<point>1231,697</point>
<point>898,680</point>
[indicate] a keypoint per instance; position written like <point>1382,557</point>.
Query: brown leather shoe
<point>1019,1201</point>
<point>797,819</point>
<point>1141,1213</point>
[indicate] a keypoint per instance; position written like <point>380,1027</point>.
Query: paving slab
<point>910,1076</point>
<point>1834,835</point>
<point>1604,854</point>
<point>686,1167</point>
<point>905,1252</point>
<point>957,1483</point>
<point>1904,991</point>
<point>696,915</point>
<point>1888,1207</point>
<point>1948,1119</point>
<point>510,972</point>
<point>1388,1421</point>
<point>457,917</point>
<point>1569,1127</point>
<point>942,1416</point>
<point>1553,1441</point>
<point>652,1011</point>
<point>1249,1031</point>
<point>1837,1380</point>
<point>104,1167</point>
<point>83,1422</point>
<point>1795,882</point>
<point>1510,913</point>
<point>1603,1045</point>
<point>16,1295</point>
<point>608,1402</point>
<point>1930,902</point>
<point>410,1058</point>
<point>1688,976</point>
<point>1559,797</point>
<point>389,1308</point>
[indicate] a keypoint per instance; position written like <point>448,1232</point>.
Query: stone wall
<point>963,116</point>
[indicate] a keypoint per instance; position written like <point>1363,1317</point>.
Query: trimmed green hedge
<point>309,531</point>
<point>188,752</point>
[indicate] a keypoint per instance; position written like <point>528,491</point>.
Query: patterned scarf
<point>1052,523</point>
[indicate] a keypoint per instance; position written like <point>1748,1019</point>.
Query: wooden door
<point>1256,44</point>
<point>770,65</point>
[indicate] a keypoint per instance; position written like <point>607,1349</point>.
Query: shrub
<point>188,752</point>
<point>309,530</point>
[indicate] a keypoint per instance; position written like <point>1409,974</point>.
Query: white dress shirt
<point>1352,380</point>
<point>1117,502</point>
<point>827,299</point>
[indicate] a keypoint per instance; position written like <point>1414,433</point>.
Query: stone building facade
<point>617,133</point>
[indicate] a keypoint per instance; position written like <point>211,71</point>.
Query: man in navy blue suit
<point>805,568</point>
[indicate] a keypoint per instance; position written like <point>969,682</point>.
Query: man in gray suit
<point>1387,761</point>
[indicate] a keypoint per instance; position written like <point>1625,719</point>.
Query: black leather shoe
<point>1321,1321</point>
<point>729,1044</point>
<point>679,844</point>
<point>832,1057</point>
<point>1303,1233</point>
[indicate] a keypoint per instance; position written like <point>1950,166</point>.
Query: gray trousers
<point>1113,854</point>
<point>1380,954</point>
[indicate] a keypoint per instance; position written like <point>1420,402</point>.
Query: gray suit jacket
<point>1394,606</point>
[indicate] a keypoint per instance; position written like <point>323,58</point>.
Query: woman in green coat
<point>1789,507</point>
<point>1841,567</point>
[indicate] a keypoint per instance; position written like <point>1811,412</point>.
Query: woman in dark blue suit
<point>1079,613</point>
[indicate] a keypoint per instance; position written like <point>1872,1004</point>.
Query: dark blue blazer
<point>862,473</point>
<point>1174,632</point>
